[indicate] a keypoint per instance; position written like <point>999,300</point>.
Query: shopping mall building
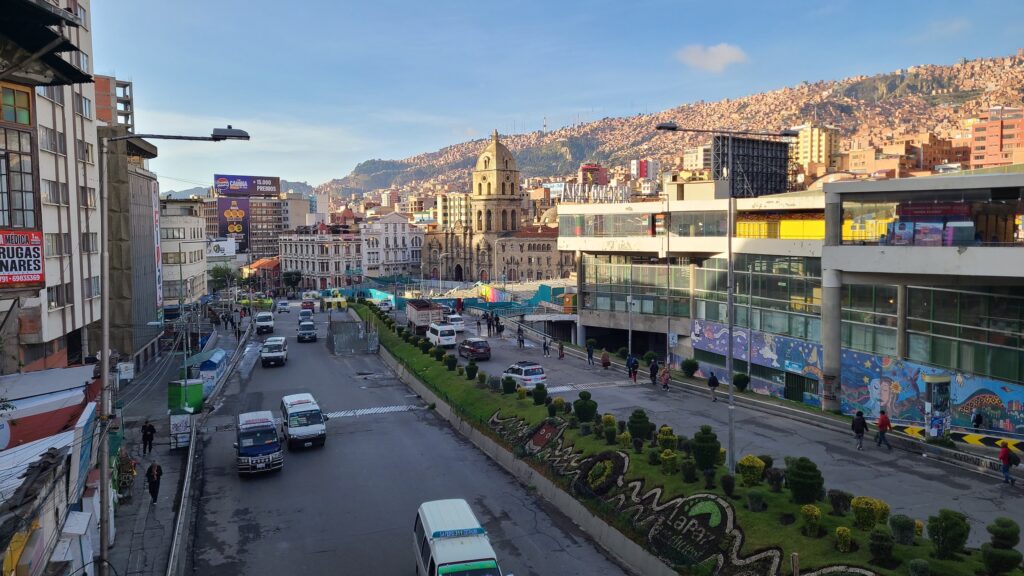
<point>904,295</point>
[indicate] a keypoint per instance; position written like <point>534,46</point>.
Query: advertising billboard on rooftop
<point>245,186</point>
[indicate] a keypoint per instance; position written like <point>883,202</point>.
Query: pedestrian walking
<point>977,421</point>
<point>546,347</point>
<point>631,366</point>
<point>883,426</point>
<point>477,326</point>
<point>561,350</point>
<point>238,332</point>
<point>1008,458</point>
<point>606,360</point>
<point>713,386</point>
<point>590,353</point>
<point>664,376</point>
<point>153,475</point>
<point>654,371</point>
<point>520,338</point>
<point>859,427</point>
<point>148,433</point>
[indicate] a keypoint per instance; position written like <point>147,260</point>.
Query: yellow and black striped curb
<point>965,437</point>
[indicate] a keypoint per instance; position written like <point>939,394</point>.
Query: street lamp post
<point>217,135</point>
<point>730,271</point>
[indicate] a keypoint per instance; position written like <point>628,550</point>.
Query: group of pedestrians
<point>860,428</point>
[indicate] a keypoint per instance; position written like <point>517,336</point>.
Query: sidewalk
<point>144,530</point>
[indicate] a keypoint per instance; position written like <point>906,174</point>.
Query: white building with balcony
<point>183,245</point>
<point>327,255</point>
<point>391,246</point>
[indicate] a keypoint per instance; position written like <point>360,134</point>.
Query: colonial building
<point>488,247</point>
<point>327,255</point>
<point>391,246</point>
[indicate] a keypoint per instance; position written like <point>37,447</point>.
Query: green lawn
<point>761,529</point>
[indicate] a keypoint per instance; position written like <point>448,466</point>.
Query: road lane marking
<point>377,410</point>
<point>592,385</point>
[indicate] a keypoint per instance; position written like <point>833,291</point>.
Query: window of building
<point>59,296</point>
<point>81,59</point>
<point>53,93</point>
<point>86,197</point>
<point>52,140</point>
<point>54,192</point>
<point>84,151</point>
<point>17,197</point>
<point>57,244</point>
<point>16,105</point>
<point>91,287</point>
<point>90,242</point>
<point>172,233</point>
<point>82,15</point>
<point>83,106</point>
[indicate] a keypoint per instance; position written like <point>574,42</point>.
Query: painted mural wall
<point>871,382</point>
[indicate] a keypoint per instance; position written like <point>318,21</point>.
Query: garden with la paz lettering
<point>663,508</point>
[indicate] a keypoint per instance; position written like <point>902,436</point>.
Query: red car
<point>308,305</point>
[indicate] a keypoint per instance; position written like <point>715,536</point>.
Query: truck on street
<point>421,314</point>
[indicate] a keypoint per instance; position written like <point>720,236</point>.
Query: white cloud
<point>711,58</point>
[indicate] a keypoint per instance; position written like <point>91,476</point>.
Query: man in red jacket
<point>883,426</point>
<point>1004,458</point>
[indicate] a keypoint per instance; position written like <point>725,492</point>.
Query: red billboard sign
<point>21,258</point>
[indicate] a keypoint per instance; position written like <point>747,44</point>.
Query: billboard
<point>21,258</point>
<point>222,247</point>
<point>238,186</point>
<point>759,167</point>
<point>233,221</point>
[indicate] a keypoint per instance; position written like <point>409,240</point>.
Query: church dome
<point>496,156</point>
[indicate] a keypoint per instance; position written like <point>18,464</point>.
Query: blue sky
<point>324,84</point>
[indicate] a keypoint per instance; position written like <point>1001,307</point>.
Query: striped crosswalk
<point>371,411</point>
<point>590,386</point>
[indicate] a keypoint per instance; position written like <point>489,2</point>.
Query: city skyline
<point>349,89</point>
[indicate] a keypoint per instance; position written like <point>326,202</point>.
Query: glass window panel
<point>919,347</point>
<point>943,352</point>
<point>814,329</point>
<point>946,305</point>
<point>885,341</point>
<point>26,142</point>
<point>1005,363</point>
<point>919,303</point>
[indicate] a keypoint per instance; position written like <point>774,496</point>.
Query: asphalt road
<point>910,484</point>
<point>348,508</point>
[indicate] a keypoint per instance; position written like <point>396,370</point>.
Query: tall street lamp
<point>218,134</point>
<point>730,278</point>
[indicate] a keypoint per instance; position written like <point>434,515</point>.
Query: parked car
<point>384,305</point>
<point>526,374</point>
<point>475,349</point>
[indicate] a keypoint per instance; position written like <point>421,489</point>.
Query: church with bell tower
<point>485,249</point>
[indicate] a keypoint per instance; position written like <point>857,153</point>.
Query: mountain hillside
<point>864,108</point>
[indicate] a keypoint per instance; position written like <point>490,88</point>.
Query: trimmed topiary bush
<point>689,367</point>
<point>585,407</point>
<point>639,425</point>
<point>667,439</point>
<point>540,393</point>
<point>812,520</point>
<point>586,428</point>
<point>880,545</point>
<point>755,501</point>
<point>775,478</point>
<point>461,371</point>
<point>450,362</point>
<point>864,515</point>
<point>559,403</point>
<point>881,512</point>
<point>649,357</point>
<point>625,439</point>
<point>610,438</point>
<point>439,354</point>
<point>425,346</point>
<point>705,447</point>
<point>768,461</point>
<point>805,481</point>
<point>653,457</point>
<point>902,527</point>
<point>689,468</point>
<point>918,528</point>
<point>919,567</point>
<point>521,393</point>
<point>751,469</point>
<point>638,445</point>
<point>999,555</point>
<point>840,502</point>
<point>844,539</point>
<point>608,421</point>
<point>729,485</point>
<point>741,382</point>
<point>669,462</point>
<point>948,532</point>
<point>508,385</point>
<point>709,479</point>
<point>622,352</point>
<point>471,370</point>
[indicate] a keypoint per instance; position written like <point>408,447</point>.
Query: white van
<point>264,322</point>
<point>448,539</point>
<point>441,335</point>
<point>456,321</point>
<point>302,422</point>
<point>274,351</point>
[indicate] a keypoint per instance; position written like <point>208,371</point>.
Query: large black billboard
<point>759,167</point>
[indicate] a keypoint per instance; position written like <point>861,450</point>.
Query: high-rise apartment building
<point>451,209</point>
<point>996,137</point>
<point>115,103</point>
<point>48,192</point>
<point>697,158</point>
<point>183,250</point>
<point>814,148</point>
<point>294,208</point>
<point>645,169</point>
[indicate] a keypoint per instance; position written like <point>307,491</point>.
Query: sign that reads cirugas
<point>233,185</point>
<point>21,258</point>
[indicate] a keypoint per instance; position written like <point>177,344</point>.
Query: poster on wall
<point>21,258</point>
<point>902,233</point>
<point>233,221</point>
<point>928,234</point>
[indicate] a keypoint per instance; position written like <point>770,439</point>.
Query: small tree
<point>741,381</point>
<point>999,556</point>
<point>690,367</point>
<point>805,481</point>
<point>639,424</point>
<point>585,408</point>
<point>948,532</point>
<point>292,278</point>
<point>705,448</point>
<point>751,469</point>
<point>667,440</point>
<point>540,392</point>
<point>902,529</point>
<point>223,276</point>
<point>649,357</point>
<point>840,502</point>
<point>622,352</point>
<point>880,545</point>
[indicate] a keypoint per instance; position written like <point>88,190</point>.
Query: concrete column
<point>831,337</point>
<point>901,321</point>
<point>693,293</point>
<point>581,330</point>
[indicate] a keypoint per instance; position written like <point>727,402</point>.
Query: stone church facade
<point>495,245</point>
